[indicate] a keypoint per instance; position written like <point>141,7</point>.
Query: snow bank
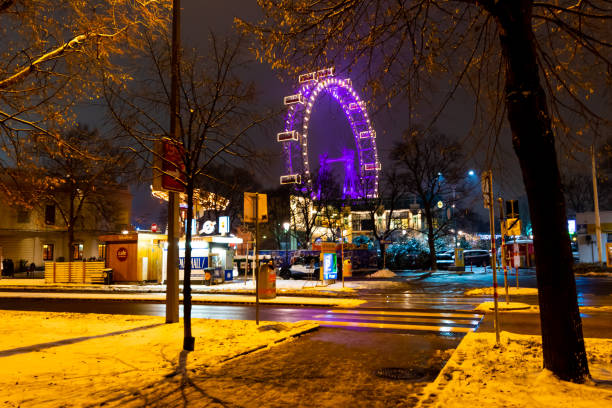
<point>383,273</point>
<point>70,359</point>
<point>501,291</point>
<point>480,375</point>
<point>502,305</point>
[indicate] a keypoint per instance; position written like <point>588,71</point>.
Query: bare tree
<point>52,55</point>
<point>431,168</point>
<point>543,65</point>
<point>303,214</point>
<point>382,210</point>
<point>216,113</point>
<point>82,175</point>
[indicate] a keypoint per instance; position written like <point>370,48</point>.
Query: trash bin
<point>267,281</point>
<point>229,274</point>
<point>347,268</point>
<point>108,276</point>
<point>208,276</point>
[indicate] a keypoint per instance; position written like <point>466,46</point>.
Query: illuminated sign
<point>571,226</point>
<point>287,136</point>
<point>367,133</point>
<point>224,225</point>
<point>122,254</point>
<point>197,262</point>
<point>330,266</point>
<point>208,227</point>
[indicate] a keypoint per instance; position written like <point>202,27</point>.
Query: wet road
<point>379,319</point>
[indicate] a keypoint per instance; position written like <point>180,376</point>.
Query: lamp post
<point>286,226</point>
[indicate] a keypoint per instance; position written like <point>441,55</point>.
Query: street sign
<point>153,227</point>
<point>173,168</point>
<point>487,191</point>
<point>513,226</point>
<point>249,207</point>
<point>512,209</point>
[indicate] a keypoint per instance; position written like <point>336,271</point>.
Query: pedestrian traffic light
<point>512,210</point>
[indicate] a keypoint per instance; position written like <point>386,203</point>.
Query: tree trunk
<point>70,228</point>
<point>533,140</point>
<point>188,340</point>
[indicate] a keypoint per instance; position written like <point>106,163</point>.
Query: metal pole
<point>172,292</point>
<point>256,249</point>
<point>493,263</point>
<point>596,202</point>
<point>503,245</point>
<point>342,257</point>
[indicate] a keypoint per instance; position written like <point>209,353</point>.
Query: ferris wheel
<point>294,138</point>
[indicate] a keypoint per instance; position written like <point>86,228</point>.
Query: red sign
<point>153,227</point>
<point>122,254</point>
<point>173,168</point>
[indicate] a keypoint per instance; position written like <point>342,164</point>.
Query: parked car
<point>477,257</point>
<point>445,259</point>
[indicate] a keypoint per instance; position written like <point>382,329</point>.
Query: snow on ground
<point>286,287</point>
<point>502,305</point>
<point>511,376</point>
<point>488,306</point>
<point>383,273</point>
<point>69,359</point>
<point>512,290</point>
<point>160,297</point>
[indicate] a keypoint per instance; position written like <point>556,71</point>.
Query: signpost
<point>256,210</point>
<point>503,246</point>
<point>487,195</point>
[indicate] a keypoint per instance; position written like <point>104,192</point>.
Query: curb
<point>429,396</point>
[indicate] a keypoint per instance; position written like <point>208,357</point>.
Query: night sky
<point>199,17</point>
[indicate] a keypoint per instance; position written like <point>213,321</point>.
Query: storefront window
<point>77,251</point>
<point>47,252</point>
<point>101,251</point>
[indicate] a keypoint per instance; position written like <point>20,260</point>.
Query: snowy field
<point>73,360</point>
<point>479,375</point>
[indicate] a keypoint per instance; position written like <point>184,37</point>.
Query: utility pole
<point>502,229</point>
<point>256,248</point>
<point>487,194</point>
<point>596,202</point>
<point>172,292</point>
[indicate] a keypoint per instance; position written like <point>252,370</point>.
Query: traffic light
<point>512,209</point>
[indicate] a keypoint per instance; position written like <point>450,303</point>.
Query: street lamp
<point>286,227</point>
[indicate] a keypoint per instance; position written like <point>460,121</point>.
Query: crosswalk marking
<point>406,319</point>
<point>444,329</point>
<point>442,322</point>
<point>398,313</point>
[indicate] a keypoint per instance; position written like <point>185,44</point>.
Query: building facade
<point>38,234</point>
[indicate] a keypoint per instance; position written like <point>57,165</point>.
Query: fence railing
<point>74,272</point>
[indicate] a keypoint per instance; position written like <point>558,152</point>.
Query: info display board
<point>330,266</point>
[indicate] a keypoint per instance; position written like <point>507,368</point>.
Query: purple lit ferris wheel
<point>295,136</point>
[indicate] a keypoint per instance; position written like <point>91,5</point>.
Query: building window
<point>50,214</point>
<point>47,252</point>
<point>77,251</point>
<point>102,251</point>
<point>23,216</point>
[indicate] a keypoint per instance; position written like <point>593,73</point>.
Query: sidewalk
<point>70,359</point>
<point>511,375</point>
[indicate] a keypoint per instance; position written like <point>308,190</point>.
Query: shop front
<point>135,256</point>
<point>212,259</point>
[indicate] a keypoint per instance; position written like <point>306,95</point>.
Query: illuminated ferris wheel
<point>359,182</point>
